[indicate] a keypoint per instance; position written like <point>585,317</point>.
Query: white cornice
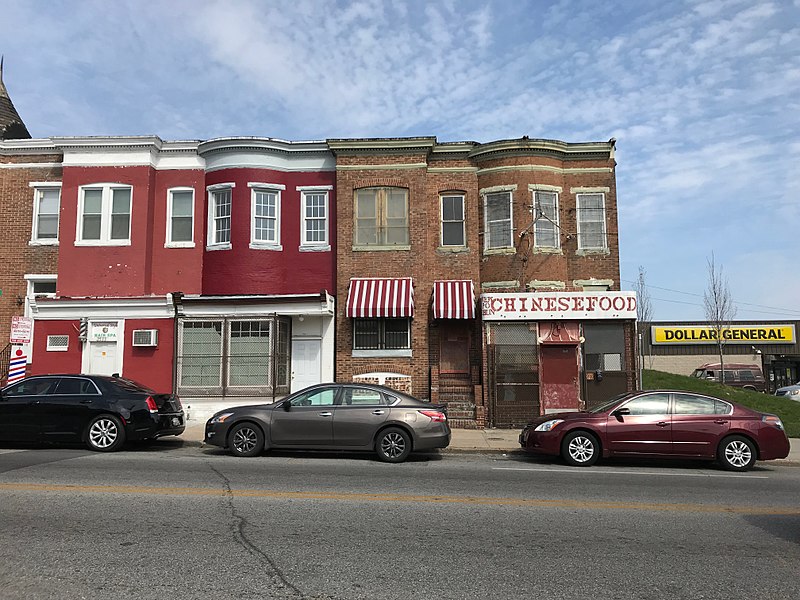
<point>154,307</point>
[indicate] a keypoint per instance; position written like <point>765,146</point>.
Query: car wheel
<point>105,434</point>
<point>246,439</point>
<point>580,449</point>
<point>736,453</point>
<point>393,445</point>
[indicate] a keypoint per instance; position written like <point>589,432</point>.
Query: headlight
<point>549,425</point>
<point>794,392</point>
<point>221,417</point>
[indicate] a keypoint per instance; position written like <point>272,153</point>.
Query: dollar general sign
<point>738,334</point>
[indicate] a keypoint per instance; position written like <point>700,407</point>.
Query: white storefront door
<point>306,366</point>
<point>103,358</point>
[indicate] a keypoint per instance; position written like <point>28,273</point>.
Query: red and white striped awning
<point>374,297</point>
<point>454,299</point>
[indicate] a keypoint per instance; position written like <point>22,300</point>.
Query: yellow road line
<point>432,499</point>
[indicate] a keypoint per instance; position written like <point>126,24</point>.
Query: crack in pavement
<point>279,579</point>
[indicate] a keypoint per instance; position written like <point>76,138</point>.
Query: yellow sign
<point>735,334</point>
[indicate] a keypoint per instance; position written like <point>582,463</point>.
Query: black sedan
<point>100,411</point>
<point>333,416</point>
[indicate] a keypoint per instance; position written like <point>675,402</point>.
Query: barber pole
<point>17,365</point>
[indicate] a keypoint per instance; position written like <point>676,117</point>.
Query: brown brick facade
<point>18,256</point>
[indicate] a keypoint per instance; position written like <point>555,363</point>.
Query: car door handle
<point>87,401</point>
<point>662,423</point>
<point>325,414</point>
<point>720,421</point>
<point>378,412</point>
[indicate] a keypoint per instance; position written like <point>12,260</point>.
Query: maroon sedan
<point>660,424</point>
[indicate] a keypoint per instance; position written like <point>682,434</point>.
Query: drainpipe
<point>177,307</point>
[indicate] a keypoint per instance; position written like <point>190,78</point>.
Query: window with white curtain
<point>499,220</point>
<point>546,218</point>
<point>591,221</point>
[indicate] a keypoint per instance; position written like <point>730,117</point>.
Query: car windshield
<point>606,405</point>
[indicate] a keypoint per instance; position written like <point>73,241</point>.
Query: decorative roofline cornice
<point>262,145</point>
<point>28,146</point>
<point>542,147</point>
<point>408,145</point>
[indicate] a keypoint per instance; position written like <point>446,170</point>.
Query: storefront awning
<point>373,297</point>
<point>454,299</point>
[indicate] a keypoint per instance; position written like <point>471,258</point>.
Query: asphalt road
<point>166,521</point>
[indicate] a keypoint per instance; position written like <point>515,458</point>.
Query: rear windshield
<point>129,386</point>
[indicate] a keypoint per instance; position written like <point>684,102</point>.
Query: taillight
<point>151,404</point>
<point>435,415</point>
<point>773,420</point>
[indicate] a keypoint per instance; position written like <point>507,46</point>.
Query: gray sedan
<point>338,416</point>
<point>792,392</point>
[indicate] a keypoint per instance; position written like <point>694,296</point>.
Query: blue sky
<point>702,96</point>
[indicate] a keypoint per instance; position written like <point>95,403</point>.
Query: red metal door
<point>559,388</point>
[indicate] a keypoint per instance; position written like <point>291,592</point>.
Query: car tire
<point>393,445</point>
<point>736,453</point>
<point>105,433</point>
<point>246,440</point>
<point>580,449</point>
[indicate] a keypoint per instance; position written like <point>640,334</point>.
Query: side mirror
<point>287,405</point>
<point>620,412</point>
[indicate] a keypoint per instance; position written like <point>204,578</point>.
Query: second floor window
<point>180,217</point>
<point>545,206</point>
<point>315,218</point>
<point>499,222</point>
<point>591,222</point>
<point>266,217</point>
<point>453,220</point>
<point>47,201</point>
<point>219,217</point>
<point>104,215</point>
<point>381,217</point>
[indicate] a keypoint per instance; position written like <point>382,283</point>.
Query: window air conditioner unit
<point>145,337</point>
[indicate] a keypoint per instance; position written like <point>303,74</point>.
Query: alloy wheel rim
<point>103,433</point>
<point>738,454</point>
<point>244,440</point>
<point>393,445</point>
<point>581,449</point>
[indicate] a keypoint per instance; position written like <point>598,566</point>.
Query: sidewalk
<point>478,441</point>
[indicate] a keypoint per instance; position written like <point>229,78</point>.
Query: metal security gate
<point>513,374</point>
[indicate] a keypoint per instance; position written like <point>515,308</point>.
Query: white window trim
<point>305,245</point>
<point>578,221</point>
<point>210,243</point>
<point>38,187</point>
<point>105,215</point>
<point>278,190</point>
<point>463,220</point>
<point>556,222</point>
<point>168,243</point>
<point>498,190</point>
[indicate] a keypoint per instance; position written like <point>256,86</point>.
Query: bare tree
<point>644,311</point>
<point>719,307</point>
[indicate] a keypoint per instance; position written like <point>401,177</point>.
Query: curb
<point>515,452</point>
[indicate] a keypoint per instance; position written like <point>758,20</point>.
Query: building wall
<point>44,361</point>
<point>242,270</point>
<point>144,267</point>
<point>18,256</point>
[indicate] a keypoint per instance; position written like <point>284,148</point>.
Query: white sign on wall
<point>543,306</point>
<point>103,331</point>
<point>21,328</point>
